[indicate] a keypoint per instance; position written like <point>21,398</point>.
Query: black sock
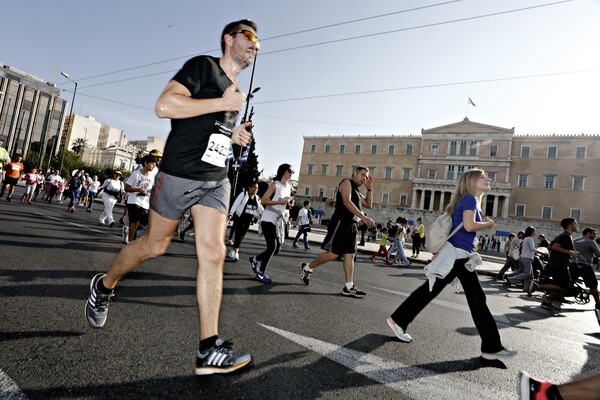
<point>553,394</point>
<point>208,343</point>
<point>103,289</point>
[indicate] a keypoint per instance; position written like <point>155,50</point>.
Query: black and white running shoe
<point>96,307</point>
<point>220,360</point>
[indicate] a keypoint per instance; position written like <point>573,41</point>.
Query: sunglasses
<point>250,36</point>
<point>291,171</point>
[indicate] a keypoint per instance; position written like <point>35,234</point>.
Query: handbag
<point>516,254</point>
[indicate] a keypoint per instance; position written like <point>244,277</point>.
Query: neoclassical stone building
<point>539,178</point>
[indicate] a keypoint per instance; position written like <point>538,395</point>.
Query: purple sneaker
<point>255,265</point>
<point>262,277</point>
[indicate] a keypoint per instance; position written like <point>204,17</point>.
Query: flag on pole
<point>244,157</point>
<point>230,154</point>
<point>471,102</point>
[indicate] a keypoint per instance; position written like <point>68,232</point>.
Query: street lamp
<point>62,157</point>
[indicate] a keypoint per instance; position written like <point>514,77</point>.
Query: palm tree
<point>79,146</point>
<point>139,155</point>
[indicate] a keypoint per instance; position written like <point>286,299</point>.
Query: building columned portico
<point>541,178</point>
<point>432,196</point>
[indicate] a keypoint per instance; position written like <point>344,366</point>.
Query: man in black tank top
<point>342,229</point>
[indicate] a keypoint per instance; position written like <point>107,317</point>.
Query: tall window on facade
<point>327,147</point>
<point>388,172</point>
<point>403,200</point>
<point>357,149</point>
<point>435,149</point>
<point>576,213</point>
<point>493,150</point>
<point>324,169</point>
<point>307,191</point>
<point>372,171</point>
<point>338,170</point>
<point>546,212</point>
<point>385,198</point>
<point>431,173</point>
<point>461,170</point>
<point>406,174</point>
<point>453,146</point>
<point>313,148</point>
<point>463,149</point>
<point>525,151</point>
<point>552,151</point>
<point>549,181</point>
<point>409,149</point>
<point>309,169</point>
<point>450,173</point>
<point>491,175</point>
<point>321,192</point>
<point>473,149</point>
<point>373,149</point>
<point>342,148</point>
<point>523,178</point>
<point>520,210</point>
<point>580,152</point>
<point>578,182</point>
<point>391,149</point>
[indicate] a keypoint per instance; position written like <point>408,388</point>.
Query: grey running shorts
<point>340,238</point>
<point>172,196</point>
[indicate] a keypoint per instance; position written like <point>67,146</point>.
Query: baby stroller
<point>577,290</point>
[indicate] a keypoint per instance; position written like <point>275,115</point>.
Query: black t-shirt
<point>249,210</point>
<point>558,259</point>
<point>188,140</point>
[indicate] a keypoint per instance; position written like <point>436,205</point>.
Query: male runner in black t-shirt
<point>202,102</point>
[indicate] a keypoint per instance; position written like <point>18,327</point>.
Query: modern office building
<point>536,177</point>
<point>31,115</point>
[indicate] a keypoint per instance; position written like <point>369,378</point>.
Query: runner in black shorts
<point>202,100</point>
<point>343,227</point>
<point>562,250</point>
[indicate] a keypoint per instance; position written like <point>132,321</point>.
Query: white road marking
<point>9,389</point>
<point>415,382</point>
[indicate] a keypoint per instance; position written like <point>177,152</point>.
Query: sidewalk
<point>491,263</point>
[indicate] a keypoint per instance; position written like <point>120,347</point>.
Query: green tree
<point>139,155</point>
<point>79,146</point>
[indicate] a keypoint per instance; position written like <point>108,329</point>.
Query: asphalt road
<point>307,342</point>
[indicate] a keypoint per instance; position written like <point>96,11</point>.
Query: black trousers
<point>270,234</point>
<point>484,321</point>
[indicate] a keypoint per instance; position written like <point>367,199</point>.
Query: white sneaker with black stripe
<point>220,360</point>
<point>96,307</point>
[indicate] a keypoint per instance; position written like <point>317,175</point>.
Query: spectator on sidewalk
<point>417,234</point>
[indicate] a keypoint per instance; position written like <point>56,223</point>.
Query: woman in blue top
<point>465,207</point>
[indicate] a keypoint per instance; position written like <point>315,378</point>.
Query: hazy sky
<point>328,67</point>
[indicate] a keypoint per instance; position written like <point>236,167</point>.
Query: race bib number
<point>217,150</point>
